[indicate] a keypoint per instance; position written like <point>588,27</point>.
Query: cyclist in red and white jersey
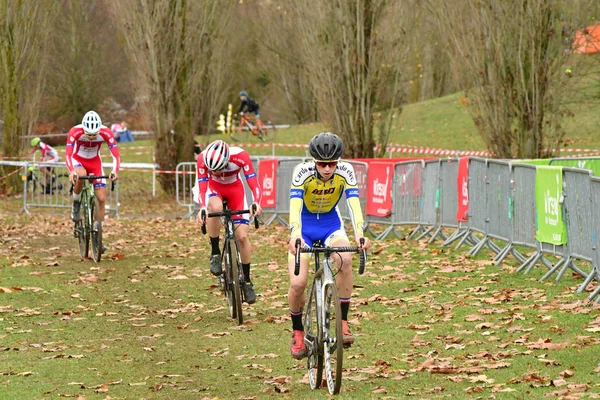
<point>49,155</point>
<point>219,169</point>
<point>83,158</point>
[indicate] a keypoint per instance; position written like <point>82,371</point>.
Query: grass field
<point>149,323</point>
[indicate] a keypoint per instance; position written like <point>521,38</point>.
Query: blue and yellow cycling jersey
<point>313,203</point>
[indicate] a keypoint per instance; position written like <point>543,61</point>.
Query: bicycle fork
<point>326,280</point>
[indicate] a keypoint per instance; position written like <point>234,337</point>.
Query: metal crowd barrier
<point>576,211</point>
<point>41,192</point>
<point>361,174</point>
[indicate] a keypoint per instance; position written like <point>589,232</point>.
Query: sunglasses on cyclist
<point>323,164</point>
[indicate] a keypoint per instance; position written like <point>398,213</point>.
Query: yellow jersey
<point>313,203</point>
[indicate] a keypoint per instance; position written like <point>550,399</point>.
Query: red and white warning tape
<point>12,173</point>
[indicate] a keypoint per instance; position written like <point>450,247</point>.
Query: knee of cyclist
<point>297,287</point>
<point>243,238</point>
<point>346,263</point>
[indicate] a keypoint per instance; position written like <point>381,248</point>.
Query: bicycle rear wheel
<point>82,226</point>
<point>96,229</point>
<point>266,133</point>
<point>332,338</point>
<point>312,339</point>
<point>234,294</point>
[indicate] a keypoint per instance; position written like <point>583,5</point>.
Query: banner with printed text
<point>380,177</point>
<point>548,200</point>
<point>267,177</point>
<point>462,181</point>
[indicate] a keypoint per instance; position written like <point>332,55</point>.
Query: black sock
<point>246,269</point>
<point>297,321</point>
<point>214,242</point>
<point>345,308</point>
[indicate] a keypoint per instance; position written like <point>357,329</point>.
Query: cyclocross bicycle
<point>249,124</point>
<point>323,316</point>
<point>89,228</point>
<point>39,182</point>
<point>232,278</point>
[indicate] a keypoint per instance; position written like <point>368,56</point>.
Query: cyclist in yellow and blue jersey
<point>317,187</point>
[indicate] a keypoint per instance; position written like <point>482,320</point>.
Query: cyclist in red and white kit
<point>219,169</point>
<point>83,158</point>
<point>49,155</point>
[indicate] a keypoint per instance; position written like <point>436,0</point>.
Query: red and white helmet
<point>216,155</point>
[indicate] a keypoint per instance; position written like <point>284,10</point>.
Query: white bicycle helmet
<point>216,155</point>
<point>91,123</point>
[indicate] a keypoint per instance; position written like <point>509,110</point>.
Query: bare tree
<point>178,52</point>
<point>22,31</point>
<point>509,56</point>
<point>353,50</point>
<point>282,58</point>
<point>87,63</point>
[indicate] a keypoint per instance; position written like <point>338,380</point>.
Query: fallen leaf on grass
<point>216,335</point>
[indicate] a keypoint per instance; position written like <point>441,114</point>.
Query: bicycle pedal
<point>347,345</point>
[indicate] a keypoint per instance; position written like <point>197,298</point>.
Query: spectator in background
<point>124,133</point>
<point>197,150</point>
<point>116,128</point>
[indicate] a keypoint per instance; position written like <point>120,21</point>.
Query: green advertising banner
<point>593,164</point>
<point>541,161</point>
<point>548,200</point>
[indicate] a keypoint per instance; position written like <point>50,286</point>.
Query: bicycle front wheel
<point>332,338</point>
<point>82,227</point>
<point>96,229</point>
<point>240,135</point>
<point>312,339</point>
<point>234,294</point>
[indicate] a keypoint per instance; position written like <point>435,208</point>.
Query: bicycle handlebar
<point>328,250</point>
<point>92,177</point>
<point>225,213</point>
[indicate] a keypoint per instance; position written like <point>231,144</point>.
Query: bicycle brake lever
<point>363,257</point>
<point>255,218</point>
<point>203,219</point>
<point>297,258</point>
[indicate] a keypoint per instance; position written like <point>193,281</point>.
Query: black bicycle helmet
<point>326,146</point>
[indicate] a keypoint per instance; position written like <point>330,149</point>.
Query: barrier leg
<point>517,255</point>
<point>384,234</point>
<point>475,250</point>
<point>502,254</point>
<point>426,232</point>
<point>594,294</point>
<point>554,269</point>
<point>416,231</point>
<point>587,281</point>
<point>571,264</point>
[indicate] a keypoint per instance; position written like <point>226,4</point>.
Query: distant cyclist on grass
<point>48,155</point>
<point>317,187</point>
<point>219,170</point>
<point>249,106</point>
<point>83,158</point>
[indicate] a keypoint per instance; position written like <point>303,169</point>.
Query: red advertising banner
<point>462,181</point>
<point>379,201</point>
<point>267,177</point>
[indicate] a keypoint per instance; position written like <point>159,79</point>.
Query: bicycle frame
<point>231,283</point>
<point>324,349</point>
<point>85,230</point>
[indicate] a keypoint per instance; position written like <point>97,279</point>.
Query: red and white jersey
<point>84,150</point>
<point>239,163</point>
<point>48,153</point>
